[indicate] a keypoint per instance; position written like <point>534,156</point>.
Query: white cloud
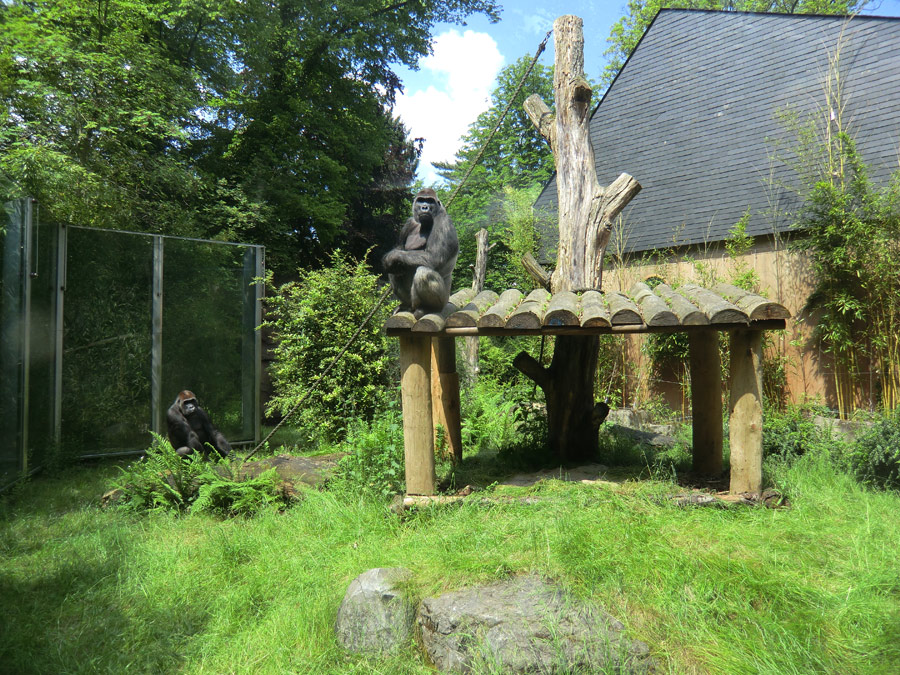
<point>463,69</point>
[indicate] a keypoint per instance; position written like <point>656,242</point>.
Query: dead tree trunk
<point>586,215</point>
<point>481,253</point>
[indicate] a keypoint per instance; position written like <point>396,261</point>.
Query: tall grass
<point>813,588</point>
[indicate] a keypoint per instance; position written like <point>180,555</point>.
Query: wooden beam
<point>418,426</point>
<point>745,428</point>
<point>706,402</point>
<point>445,395</point>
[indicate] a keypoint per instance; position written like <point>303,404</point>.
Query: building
<point>700,115</point>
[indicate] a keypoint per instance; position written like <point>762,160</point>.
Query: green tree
<point>628,31</point>
<point>516,156</point>
<point>264,120</point>
<point>94,112</point>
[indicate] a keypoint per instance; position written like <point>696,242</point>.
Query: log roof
<point>642,309</point>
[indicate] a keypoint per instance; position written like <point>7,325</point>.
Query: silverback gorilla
<point>190,429</point>
<point>420,268</point>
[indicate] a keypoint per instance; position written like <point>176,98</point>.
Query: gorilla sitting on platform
<point>420,267</point>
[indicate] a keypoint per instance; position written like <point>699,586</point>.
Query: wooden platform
<point>430,388</point>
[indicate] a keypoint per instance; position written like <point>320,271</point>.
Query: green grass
<point>813,588</point>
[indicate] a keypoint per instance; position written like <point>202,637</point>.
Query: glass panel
<point>106,341</point>
<point>12,245</point>
<point>41,336</point>
<point>203,338</point>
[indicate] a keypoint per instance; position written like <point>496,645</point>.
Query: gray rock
<point>651,438</point>
<point>525,625</point>
<point>374,615</point>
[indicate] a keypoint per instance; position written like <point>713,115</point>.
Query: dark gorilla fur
<point>420,267</point>
<point>190,429</point>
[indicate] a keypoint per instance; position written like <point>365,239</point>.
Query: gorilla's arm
<point>439,253</point>
<point>216,439</point>
<point>180,433</point>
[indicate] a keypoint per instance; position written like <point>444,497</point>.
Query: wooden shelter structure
<point>430,386</point>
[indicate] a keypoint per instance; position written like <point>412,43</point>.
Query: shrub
<point>876,456</point>
<point>311,321</point>
<point>374,464</point>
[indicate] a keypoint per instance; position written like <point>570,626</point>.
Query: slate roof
<point>691,111</point>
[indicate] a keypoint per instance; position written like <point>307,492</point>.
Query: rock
<point>651,438</point>
<point>628,417</point>
<point>312,471</point>
<point>849,430</point>
<point>374,615</point>
<point>525,625</point>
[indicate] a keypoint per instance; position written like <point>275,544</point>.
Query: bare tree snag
<point>481,255</point>
<point>586,210</point>
<point>586,214</point>
<point>535,271</point>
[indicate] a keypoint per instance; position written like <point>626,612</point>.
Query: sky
<point>453,85</point>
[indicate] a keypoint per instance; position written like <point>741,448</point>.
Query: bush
<point>875,459</point>
<point>311,321</point>
<point>162,480</point>
<point>375,463</point>
<point>789,434</point>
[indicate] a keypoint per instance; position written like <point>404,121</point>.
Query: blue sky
<point>453,86</point>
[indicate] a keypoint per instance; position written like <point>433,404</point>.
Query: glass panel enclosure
<point>100,329</point>
<point>28,340</point>
<point>107,341</point>
<point>203,330</point>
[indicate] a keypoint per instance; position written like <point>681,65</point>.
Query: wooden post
<point>445,395</point>
<point>418,428</point>
<point>706,402</point>
<point>746,411</point>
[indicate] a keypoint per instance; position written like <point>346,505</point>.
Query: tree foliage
<point>263,120</point>
<point>628,31</point>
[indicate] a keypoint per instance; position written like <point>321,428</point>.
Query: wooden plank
<point>469,314</point>
<point>687,312</point>
<point>528,315</point>
<point>562,310</point>
<point>400,321</point>
<point>654,309</point>
<point>716,308</point>
<point>418,427</point>
<point>622,311</point>
<point>706,402</point>
<point>745,426</point>
<point>594,311</point>
<point>435,322</point>
<point>756,306</point>
<point>495,317</point>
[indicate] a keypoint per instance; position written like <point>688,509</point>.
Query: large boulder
<point>375,616</point>
<point>525,625</point>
